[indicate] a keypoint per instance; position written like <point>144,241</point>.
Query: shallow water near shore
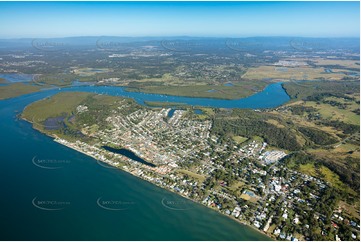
<point>72,197</point>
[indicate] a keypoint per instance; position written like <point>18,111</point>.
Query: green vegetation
<point>62,79</point>
<point>329,109</point>
<point>306,89</point>
<point>163,104</point>
<point>196,176</point>
<point>239,139</point>
<point>302,110</point>
<point>54,107</point>
<point>239,90</point>
<point>318,136</point>
<point>297,73</point>
<point>323,169</point>
<point>320,154</point>
<point>55,115</point>
<point>248,123</point>
<point>319,127</point>
<point>17,89</point>
<point>339,125</point>
<point>308,168</point>
<point>90,71</point>
<point>322,172</point>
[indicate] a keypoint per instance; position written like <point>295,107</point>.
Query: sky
<point>211,19</point>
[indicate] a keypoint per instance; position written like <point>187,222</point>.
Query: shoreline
<point>186,96</point>
<point>126,89</point>
<point>56,139</point>
<point>169,190</point>
<point>136,90</point>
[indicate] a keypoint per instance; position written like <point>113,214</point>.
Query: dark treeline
<point>301,110</point>
<point>339,125</point>
<point>320,96</point>
<point>275,136</point>
<point>317,90</point>
<point>318,136</point>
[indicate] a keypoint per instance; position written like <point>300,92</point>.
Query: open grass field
<point>17,89</point>
<point>331,177</point>
<point>343,63</point>
<point>308,169</point>
<point>237,188</point>
<point>201,116</point>
<point>239,139</point>
<point>257,138</point>
<point>276,123</point>
<point>167,79</point>
<point>338,153</point>
<point>347,148</point>
<point>334,113</point>
<point>352,210</point>
<point>287,73</point>
<point>247,197</point>
<point>90,71</point>
<point>196,176</point>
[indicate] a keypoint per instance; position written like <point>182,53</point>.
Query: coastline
<point>228,216</point>
<point>56,139</point>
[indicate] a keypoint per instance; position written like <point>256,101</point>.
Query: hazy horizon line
<point>182,36</point>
